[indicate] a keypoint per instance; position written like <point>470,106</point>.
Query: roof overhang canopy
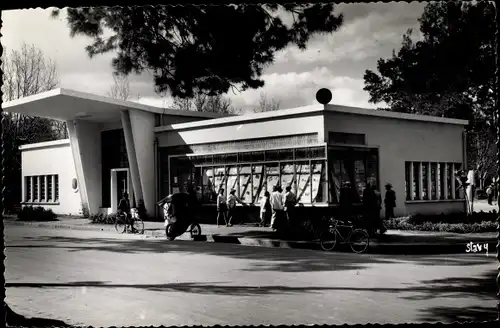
<point>64,104</point>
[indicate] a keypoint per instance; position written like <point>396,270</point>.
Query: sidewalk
<point>393,242</point>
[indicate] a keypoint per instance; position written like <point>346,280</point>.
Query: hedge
<point>103,218</point>
<point>30,213</point>
<point>457,223</point>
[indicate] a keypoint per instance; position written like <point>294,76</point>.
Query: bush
<point>406,223</point>
<point>30,213</point>
<point>454,218</point>
<point>103,218</point>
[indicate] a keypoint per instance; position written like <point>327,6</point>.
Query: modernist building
<point>118,145</point>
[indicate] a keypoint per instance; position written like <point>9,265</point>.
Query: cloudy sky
<point>337,61</point>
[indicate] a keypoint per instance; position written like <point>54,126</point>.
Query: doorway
<point>120,183</point>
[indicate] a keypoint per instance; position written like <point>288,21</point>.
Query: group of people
<point>277,206</point>
<point>273,207</point>
<point>371,204</point>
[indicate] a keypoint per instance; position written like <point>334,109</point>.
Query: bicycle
<point>355,238</point>
<point>121,222</point>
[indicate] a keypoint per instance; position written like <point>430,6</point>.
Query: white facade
<point>414,153</point>
<point>51,163</point>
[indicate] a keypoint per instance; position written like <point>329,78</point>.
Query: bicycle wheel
<point>195,230</point>
<point>139,226</point>
<point>359,240</point>
<point>120,225</point>
<point>328,240</point>
<point>169,232</point>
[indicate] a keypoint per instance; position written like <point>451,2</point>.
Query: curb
<point>456,247</point>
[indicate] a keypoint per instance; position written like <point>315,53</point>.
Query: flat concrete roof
<point>307,110</point>
<point>45,144</point>
<point>65,104</point>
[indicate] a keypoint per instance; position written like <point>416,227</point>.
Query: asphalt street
<point>105,279</point>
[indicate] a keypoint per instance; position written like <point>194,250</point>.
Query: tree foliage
<point>205,103</point>
<point>199,49</point>
<point>450,72</point>
<point>26,72</point>
<point>120,89</point>
<point>266,104</point>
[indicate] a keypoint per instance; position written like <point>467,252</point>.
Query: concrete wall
<point>50,158</point>
<point>248,130</point>
<point>400,141</point>
<point>85,139</point>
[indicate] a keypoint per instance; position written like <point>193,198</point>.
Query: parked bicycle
<point>122,223</point>
<point>358,239</point>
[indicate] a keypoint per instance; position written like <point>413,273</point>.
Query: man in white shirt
<point>289,200</point>
<point>277,206</point>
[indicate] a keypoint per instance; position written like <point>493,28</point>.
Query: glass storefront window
<point>287,176</point>
<point>258,183</point>
<point>209,192</point>
<point>248,174</point>
<point>220,179</point>
<point>319,185</point>
<point>303,178</point>
<point>232,179</point>
<point>425,172</point>
<point>359,176</point>
<point>245,192</point>
<point>433,181</point>
<point>336,180</point>
<point>416,181</point>
<point>181,174</point>
<point>442,175</point>
<point>272,176</point>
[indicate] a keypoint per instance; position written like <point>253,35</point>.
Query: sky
<point>335,61</point>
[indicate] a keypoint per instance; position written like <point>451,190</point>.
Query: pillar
<point>143,124</point>
<point>132,159</point>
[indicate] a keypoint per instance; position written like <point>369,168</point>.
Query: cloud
<point>372,34</point>
<point>299,89</point>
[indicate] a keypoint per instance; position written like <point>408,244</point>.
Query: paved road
<point>103,279</point>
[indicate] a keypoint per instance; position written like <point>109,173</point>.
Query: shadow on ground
<point>269,259</point>
<point>483,289</point>
<point>13,319</point>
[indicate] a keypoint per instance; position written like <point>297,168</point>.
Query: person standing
<point>377,209</point>
<point>489,192</point>
<point>289,201</point>
<point>389,202</point>
<point>265,209</point>
<point>276,206</point>
<point>221,206</point>
<point>232,199</point>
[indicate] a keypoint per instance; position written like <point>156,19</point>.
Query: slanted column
<point>132,159</point>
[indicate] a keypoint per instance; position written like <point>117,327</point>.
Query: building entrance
<point>120,183</point>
